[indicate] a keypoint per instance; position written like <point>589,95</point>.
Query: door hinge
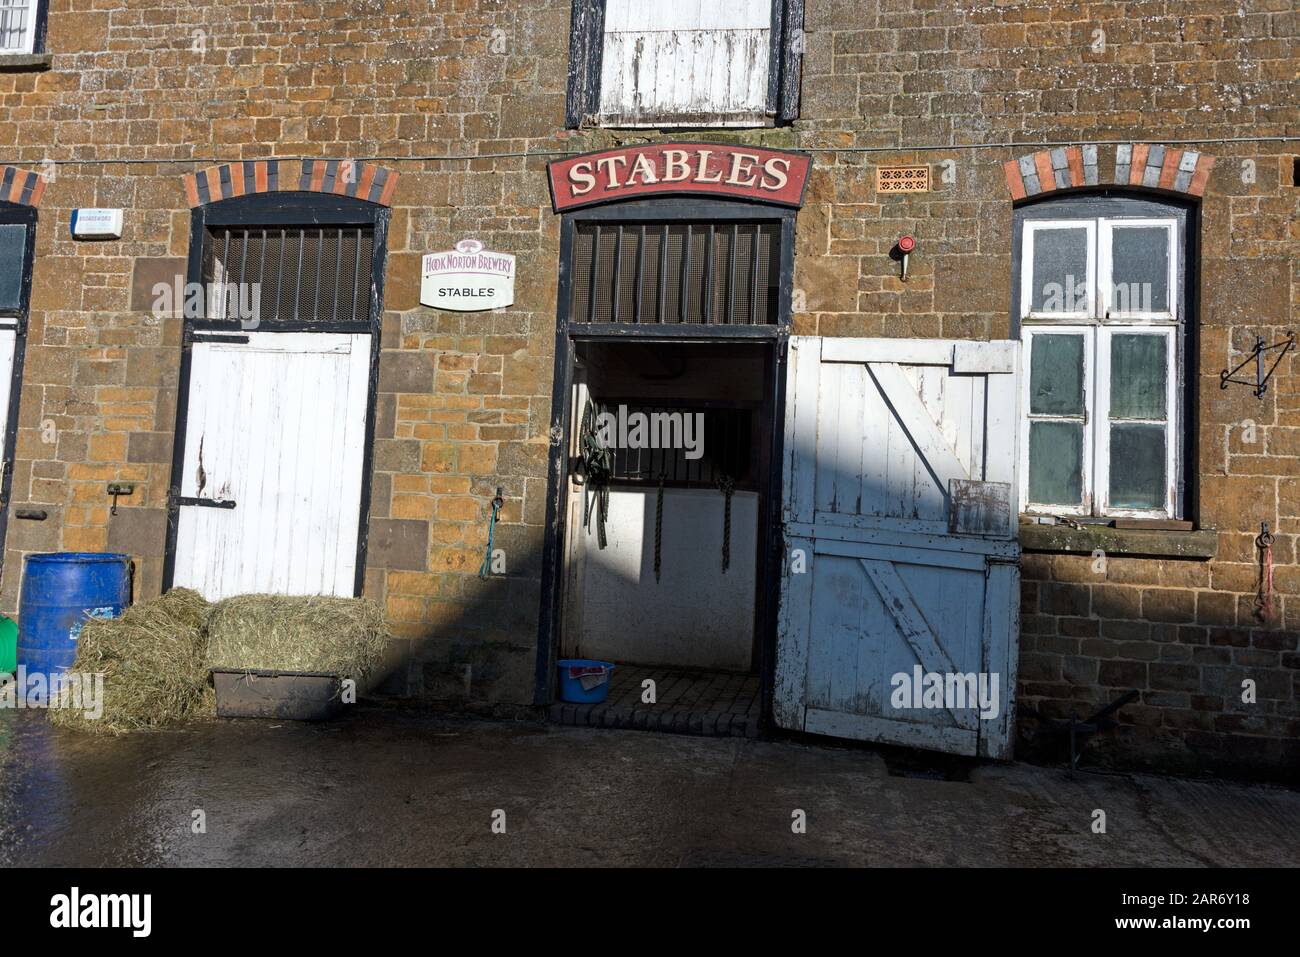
<point>204,502</point>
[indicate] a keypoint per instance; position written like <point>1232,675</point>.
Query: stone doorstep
<point>671,720</point>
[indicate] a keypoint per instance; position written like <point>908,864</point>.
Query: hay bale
<point>340,636</point>
<point>156,656</point>
<point>153,661</point>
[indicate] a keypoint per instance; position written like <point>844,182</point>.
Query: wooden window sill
<point>25,62</point>
<point>1198,545</point>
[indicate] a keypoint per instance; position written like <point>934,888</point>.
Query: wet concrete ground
<point>393,788</point>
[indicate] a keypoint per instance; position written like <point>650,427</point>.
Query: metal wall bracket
<point>1079,730</point>
<point>1257,355</point>
<point>119,488</point>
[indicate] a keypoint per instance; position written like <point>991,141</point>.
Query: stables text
<point>762,175</point>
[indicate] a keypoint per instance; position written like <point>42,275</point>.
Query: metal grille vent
<point>315,275</point>
<point>902,179</point>
<point>712,273</point>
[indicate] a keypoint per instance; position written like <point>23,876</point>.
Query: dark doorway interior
<point>674,595</point>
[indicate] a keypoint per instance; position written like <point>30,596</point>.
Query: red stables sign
<point>712,169</point>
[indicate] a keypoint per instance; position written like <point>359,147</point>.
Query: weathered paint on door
<point>8,350</point>
<point>277,427</point>
<point>685,62</point>
<point>8,354</point>
<point>899,520</point>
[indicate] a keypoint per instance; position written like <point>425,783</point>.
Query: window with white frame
<point>1101,317</point>
<point>22,26</point>
<point>684,63</point>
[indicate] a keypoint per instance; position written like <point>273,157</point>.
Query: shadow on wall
<point>475,645</point>
<point>1084,643</point>
<point>1214,695</point>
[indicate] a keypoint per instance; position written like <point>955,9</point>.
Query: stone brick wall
<point>1181,632</point>
<point>464,400</point>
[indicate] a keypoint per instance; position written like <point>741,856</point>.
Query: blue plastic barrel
<point>60,592</point>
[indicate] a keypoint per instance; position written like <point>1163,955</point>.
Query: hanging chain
<point>598,467</point>
<point>728,486</point>
<point>659,527</point>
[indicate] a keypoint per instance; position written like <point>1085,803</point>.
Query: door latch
<point>119,488</point>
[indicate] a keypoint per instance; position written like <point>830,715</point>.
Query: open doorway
<point>666,523</point>
<point>671,311</point>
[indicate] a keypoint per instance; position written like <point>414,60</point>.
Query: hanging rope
<point>598,467</point>
<point>1264,597</point>
<point>659,527</point>
<point>485,569</point>
<point>728,486</point>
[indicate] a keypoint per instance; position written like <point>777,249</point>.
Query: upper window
<point>679,272</point>
<point>305,276</point>
<point>1101,310</point>
<point>282,262</point>
<point>684,63</point>
<point>22,26</point>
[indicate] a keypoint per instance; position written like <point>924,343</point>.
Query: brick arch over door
<point>1170,169</point>
<point>21,187</point>
<point>340,177</point>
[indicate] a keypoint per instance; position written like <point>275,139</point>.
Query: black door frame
<point>296,210</point>
<point>15,214</point>
<point>568,332</point>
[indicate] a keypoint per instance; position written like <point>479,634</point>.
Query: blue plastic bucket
<point>573,670</point>
<point>60,593</point>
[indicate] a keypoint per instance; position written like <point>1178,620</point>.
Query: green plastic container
<point>8,645</point>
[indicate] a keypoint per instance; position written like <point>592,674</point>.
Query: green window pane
<point>1060,270</point>
<point>1056,463</point>
<point>1137,466</point>
<point>13,246</point>
<point>1056,375</point>
<point>1139,257</point>
<point>1138,370</point>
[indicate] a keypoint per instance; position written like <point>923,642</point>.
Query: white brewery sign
<point>468,278</point>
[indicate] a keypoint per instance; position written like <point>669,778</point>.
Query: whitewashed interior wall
<point>695,616</point>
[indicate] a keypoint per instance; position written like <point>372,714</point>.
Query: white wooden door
<point>8,353</point>
<point>270,491</point>
<point>900,527</point>
<point>8,350</point>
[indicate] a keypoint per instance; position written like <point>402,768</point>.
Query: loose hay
<point>153,661</point>
<point>340,636</point>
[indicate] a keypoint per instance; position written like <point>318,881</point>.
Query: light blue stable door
<point>900,590</point>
